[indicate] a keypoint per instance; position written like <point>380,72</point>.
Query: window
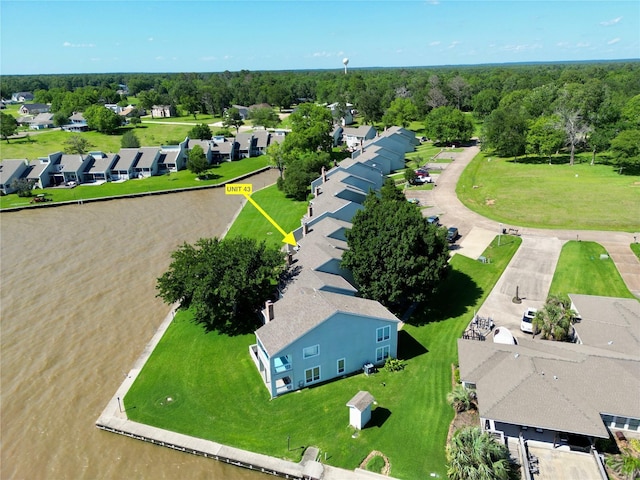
<point>341,366</point>
<point>382,353</point>
<point>312,374</point>
<point>311,351</point>
<point>383,333</point>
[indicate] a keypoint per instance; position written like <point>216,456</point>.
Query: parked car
<point>434,219</point>
<point>526,325</point>
<point>422,172</point>
<point>452,234</point>
<point>422,180</point>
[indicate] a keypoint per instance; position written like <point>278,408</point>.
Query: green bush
<point>394,365</point>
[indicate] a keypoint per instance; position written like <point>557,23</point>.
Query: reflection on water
<point>77,300</point>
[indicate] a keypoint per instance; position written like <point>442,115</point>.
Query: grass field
<point>635,247</point>
<point>252,223</point>
<point>540,195</point>
<point>581,270</point>
<point>216,391</point>
<point>183,179</point>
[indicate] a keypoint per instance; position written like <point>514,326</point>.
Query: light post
<point>288,443</point>
<point>119,405</point>
<point>499,234</point>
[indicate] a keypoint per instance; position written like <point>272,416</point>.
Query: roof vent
<point>555,377</point>
<point>610,342</point>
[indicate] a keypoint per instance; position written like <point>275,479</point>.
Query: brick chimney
<point>310,210</point>
<point>324,174</point>
<point>317,191</point>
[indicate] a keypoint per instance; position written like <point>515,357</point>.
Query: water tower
<point>345,61</point>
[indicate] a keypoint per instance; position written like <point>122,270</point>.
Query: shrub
<point>394,365</point>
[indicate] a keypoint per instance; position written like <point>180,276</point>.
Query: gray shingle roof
<point>127,159</point>
<point>147,157</point>
<point>361,401</point>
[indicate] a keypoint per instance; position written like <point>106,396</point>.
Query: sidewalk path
<point>452,212</point>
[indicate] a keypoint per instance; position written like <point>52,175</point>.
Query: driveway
<point>533,265</point>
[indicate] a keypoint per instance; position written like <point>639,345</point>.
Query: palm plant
<point>461,398</point>
<point>554,321</point>
<point>475,455</point>
<point>626,464</point>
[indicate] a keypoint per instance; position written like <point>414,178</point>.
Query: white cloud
<point>454,44</point>
<point>228,57</point>
<point>524,47</point>
<point>78,45</point>
<point>209,59</point>
<point>159,58</point>
<point>150,39</point>
<point>321,54</point>
<point>583,44</point>
<point>434,43</point>
<point>613,40</point>
<point>608,23</point>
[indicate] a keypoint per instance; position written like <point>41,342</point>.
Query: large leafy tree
<point>575,129</point>
<point>446,124</point>
<point>197,161</point>
<point>224,282</point>
<point>264,117</point>
<point>232,118</point>
<point>402,112</point>
<point>201,132</point>
<point>369,104</point>
<point>544,137</point>
<point>554,321</point>
<point>476,455</point>
<point>77,144</point>
<point>102,119</point>
<point>129,140</point>
<point>8,126</point>
<point>505,131</point>
<point>311,127</point>
<point>395,256</point>
<point>301,170</point>
<point>625,148</point>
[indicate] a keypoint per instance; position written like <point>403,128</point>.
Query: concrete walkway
<point>533,266</point>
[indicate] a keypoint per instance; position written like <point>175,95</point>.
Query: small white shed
<point>360,409</point>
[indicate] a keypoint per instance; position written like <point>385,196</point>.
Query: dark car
<point>452,234</point>
<point>434,219</point>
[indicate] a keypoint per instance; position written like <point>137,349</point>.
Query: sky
<point>102,36</point>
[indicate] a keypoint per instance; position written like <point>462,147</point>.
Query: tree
<point>544,137</point>
<point>232,118</point>
<point>129,140</point>
<point>191,105</point>
<point>575,129</point>
<point>554,321</point>
<point>460,90</point>
<point>224,282</point>
<point>446,124</point>
<point>278,156</point>
<point>76,144</point>
<point>197,161</point>
<point>389,191</point>
<point>311,127</point>
<point>300,171</point>
<point>264,117</point>
<point>410,176</point>
<point>8,126</point>
<point>625,148</point>
<point>461,398</point>
<point>505,131</point>
<point>394,254</point>
<point>370,106</point>
<point>201,132</point>
<point>485,102</point>
<point>401,112</point>
<point>102,119</point>
<point>60,119</point>
<point>476,455</point>
<point>23,187</point>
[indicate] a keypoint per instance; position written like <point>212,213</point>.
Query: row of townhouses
<point>319,329</point>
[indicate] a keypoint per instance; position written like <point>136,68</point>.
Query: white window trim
<point>381,351</point>
<point>344,365</point>
<point>312,379</point>
<point>383,338</point>
<point>304,355</point>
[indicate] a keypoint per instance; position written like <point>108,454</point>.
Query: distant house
<point>148,162</point>
<point>336,135</point>
<point>161,111</point>
<point>41,170</point>
<point>353,138</point>
<point>33,108</point>
<point>173,158</point>
<point>41,121</point>
<point>244,111</point>
<point>123,168</point>
<point>99,167</point>
<point>345,115</point>
<point>77,123</point>
<point>11,170</point>
<point>247,145</point>
<point>224,149</point>
<point>69,168</point>
<point>555,391</point>
<point>20,97</point>
<point>206,148</point>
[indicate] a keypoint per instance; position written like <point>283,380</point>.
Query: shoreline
<point>114,419</point>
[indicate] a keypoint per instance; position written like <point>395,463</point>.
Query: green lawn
<point>635,247</point>
<point>581,270</point>
<point>216,392</point>
<point>286,213</point>
<point>183,179</point>
<point>551,196</point>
